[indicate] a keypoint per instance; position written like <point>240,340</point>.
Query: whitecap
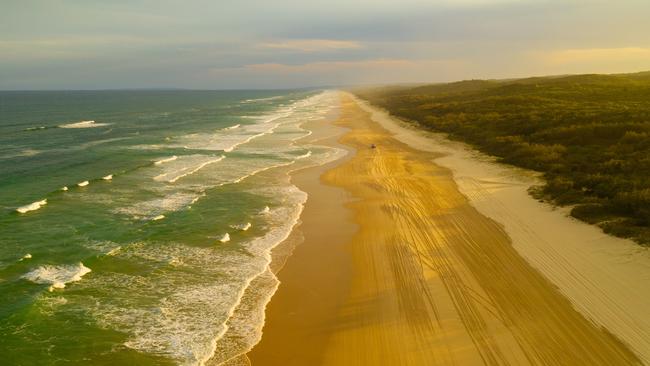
<point>36,128</point>
<point>57,276</point>
<point>83,124</point>
<point>32,206</point>
<point>231,127</point>
<point>83,184</point>
<point>224,238</point>
<point>65,188</point>
<point>261,99</point>
<point>266,210</point>
<point>108,177</point>
<point>26,256</point>
<point>152,208</point>
<point>242,227</point>
<point>29,152</point>
<point>308,154</point>
<point>159,217</point>
<point>172,177</point>
<point>167,160</point>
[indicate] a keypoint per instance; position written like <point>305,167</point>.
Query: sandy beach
<point>401,266</point>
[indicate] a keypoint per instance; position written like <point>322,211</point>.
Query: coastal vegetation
<point>589,136</point>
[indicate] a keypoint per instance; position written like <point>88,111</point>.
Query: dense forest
<point>588,134</point>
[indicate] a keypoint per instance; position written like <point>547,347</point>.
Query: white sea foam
<point>244,326</point>
<point>104,247</point>
<point>108,177</point>
<point>83,184</point>
<point>224,238</point>
<point>188,316</point>
<point>230,138</point>
<point>57,276</point>
<point>231,127</point>
<point>255,172</point>
<point>159,217</point>
<point>64,188</point>
<point>266,210</point>
<point>167,160</point>
<point>26,256</point>
<point>83,124</point>
<point>245,141</point>
<point>212,311</point>
<point>261,99</point>
<point>29,152</point>
<point>226,141</point>
<point>173,176</point>
<point>32,206</point>
<point>242,227</point>
<point>145,210</point>
<point>201,166</point>
<point>49,305</point>
<point>304,156</point>
<point>36,128</point>
<point>114,251</point>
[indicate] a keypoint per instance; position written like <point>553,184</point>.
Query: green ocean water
<point>136,226</point>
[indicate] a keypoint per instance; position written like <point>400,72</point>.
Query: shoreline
<point>286,308</point>
<point>423,292</point>
<point>248,316</point>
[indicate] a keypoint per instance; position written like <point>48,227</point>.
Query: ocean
<point>136,226</point>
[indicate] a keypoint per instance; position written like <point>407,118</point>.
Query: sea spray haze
<point>134,224</point>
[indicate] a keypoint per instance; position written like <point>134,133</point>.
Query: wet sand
<point>397,268</point>
<point>315,277</point>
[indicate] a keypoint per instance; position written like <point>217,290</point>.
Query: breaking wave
<point>172,177</point>
<point>57,276</point>
<point>32,206</point>
<point>167,160</point>
<point>83,124</point>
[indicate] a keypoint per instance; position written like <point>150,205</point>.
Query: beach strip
<point>419,277</point>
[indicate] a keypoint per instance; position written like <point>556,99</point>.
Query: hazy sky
<point>218,44</point>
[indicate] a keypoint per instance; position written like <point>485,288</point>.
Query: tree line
<point>589,135</point>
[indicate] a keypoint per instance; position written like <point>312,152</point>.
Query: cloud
<point>311,45</point>
<point>213,44</point>
<point>329,66</point>
<point>621,54</point>
<point>589,60</point>
<point>369,71</point>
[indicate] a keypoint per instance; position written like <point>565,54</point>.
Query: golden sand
<point>425,280</point>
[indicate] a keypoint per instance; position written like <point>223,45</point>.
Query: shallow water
<point>114,210</point>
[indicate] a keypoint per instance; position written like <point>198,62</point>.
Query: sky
<point>242,44</point>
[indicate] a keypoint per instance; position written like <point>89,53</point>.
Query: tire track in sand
<point>437,283</point>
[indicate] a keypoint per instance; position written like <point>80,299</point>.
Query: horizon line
<point>326,86</point>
